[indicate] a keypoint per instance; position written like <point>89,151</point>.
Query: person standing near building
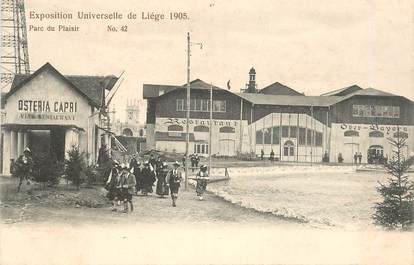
<point>162,188</point>
<point>174,178</point>
<point>196,160</point>
<point>193,161</point>
<point>355,157</point>
<point>152,161</point>
<point>183,160</point>
<point>359,157</point>
<point>261,154</point>
<point>24,166</point>
<point>148,178</point>
<point>138,178</point>
<point>111,184</point>
<point>272,156</point>
<point>126,186</point>
<point>134,167</point>
<point>201,178</point>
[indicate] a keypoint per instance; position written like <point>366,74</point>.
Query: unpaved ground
<point>67,205</point>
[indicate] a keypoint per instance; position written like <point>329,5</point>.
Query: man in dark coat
<point>148,178</point>
<point>24,166</point>
<point>162,188</point>
<point>272,156</point>
<point>111,184</point>
<point>152,161</point>
<point>173,180</point>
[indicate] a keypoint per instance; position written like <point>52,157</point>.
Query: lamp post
<point>187,142</point>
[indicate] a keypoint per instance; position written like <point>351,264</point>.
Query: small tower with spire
<point>251,86</point>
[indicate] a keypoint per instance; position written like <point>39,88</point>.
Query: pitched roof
<point>288,100</point>
<point>151,90</point>
<point>279,89</point>
<point>91,87</point>
<point>343,91</point>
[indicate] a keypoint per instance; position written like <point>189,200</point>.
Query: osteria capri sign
<point>56,110</point>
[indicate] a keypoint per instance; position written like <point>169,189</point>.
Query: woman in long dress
<point>202,178</point>
<point>148,178</point>
<point>162,188</point>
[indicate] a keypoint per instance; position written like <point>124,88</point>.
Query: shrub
<point>75,166</point>
<point>46,169</point>
<point>396,209</point>
<point>91,174</point>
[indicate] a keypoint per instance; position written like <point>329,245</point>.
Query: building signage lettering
<point>39,116</point>
<point>177,121</point>
<point>373,127</point>
<point>46,106</point>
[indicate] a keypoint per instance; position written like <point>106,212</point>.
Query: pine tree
<point>396,209</point>
<point>75,166</point>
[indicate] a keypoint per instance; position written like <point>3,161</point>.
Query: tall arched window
<point>175,128</point>
<point>289,148</point>
<point>201,128</point>
<point>351,134</point>
<point>377,134</point>
<point>227,129</point>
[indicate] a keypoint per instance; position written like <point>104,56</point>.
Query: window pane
<point>285,151</point>
<point>267,136</point>
<point>285,131</point>
<point>276,135</point>
<point>216,105</point>
<point>309,137</point>
<point>192,104</point>
<point>202,149</point>
<point>204,105</point>
<point>293,132</point>
<point>259,137</point>
<point>292,151</point>
<point>223,106</point>
<point>302,136</point>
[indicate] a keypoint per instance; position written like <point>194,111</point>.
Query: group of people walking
<point>124,181</point>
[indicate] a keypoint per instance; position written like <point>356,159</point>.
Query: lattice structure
<point>14,53</point>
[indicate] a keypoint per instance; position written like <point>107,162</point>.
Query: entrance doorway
<point>227,147</point>
<point>349,151</point>
<point>45,143</point>
<point>201,148</point>
<point>289,151</point>
<point>375,154</point>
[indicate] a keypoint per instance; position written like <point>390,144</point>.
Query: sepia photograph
<point>207,132</point>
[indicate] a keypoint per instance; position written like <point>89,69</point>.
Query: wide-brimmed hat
<point>146,163</point>
<point>203,167</point>
<point>164,164</point>
<point>124,166</point>
<point>115,162</point>
<point>176,163</point>
<point>27,150</point>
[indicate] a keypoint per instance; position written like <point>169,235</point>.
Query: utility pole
<point>187,142</point>
<point>210,130</point>
<point>187,104</point>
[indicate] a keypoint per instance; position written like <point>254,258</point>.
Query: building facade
<point>296,127</point>
<point>49,113</point>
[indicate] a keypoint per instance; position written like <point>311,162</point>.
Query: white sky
<point>311,46</point>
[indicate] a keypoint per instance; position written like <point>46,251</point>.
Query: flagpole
<point>210,130</point>
<point>187,140</point>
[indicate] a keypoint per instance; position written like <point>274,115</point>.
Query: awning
<point>18,126</point>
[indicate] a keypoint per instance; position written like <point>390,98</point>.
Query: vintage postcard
<point>207,132</point>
